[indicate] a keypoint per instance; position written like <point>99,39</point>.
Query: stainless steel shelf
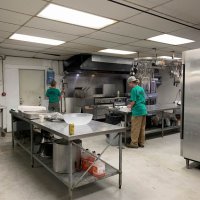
<point>64,177</point>
<point>156,130</point>
<point>25,146</point>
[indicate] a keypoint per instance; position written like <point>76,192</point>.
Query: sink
<point>77,118</point>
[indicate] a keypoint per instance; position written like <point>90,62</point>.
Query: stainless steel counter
<point>94,128</point>
<point>151,109</point>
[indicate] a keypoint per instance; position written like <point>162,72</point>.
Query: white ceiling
<point>134,26</point>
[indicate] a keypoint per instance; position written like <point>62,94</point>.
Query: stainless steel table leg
<point>13,143</point>
<point>187,163</point>
<point>32,145</point>
<point>125,123</point>
<point>162,123</point>
<point>70,171</point>
<point>120,160</point>
<point>2,133</point>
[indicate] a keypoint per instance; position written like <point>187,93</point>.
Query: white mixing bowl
<point>77,118</point>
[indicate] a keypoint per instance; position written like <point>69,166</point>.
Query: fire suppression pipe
<point>2,65</point>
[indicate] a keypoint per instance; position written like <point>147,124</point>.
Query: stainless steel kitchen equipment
<point>85,63</point>
<point>61,158</point>
<point>151,109</point>
<point>190,133</point>
<point>73,104</point>
<point>94,128</point>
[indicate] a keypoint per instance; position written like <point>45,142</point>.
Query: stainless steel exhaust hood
<point>99,64</point>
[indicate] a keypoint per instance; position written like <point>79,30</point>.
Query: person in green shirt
<point>54,96</point>
<point>139,112</point>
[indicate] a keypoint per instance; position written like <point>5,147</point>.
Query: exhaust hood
<point>97,63</point>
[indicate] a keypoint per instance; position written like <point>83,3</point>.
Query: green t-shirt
<point>138,96</point>
<point>53,94</point>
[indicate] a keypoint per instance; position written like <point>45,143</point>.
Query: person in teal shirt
<point>139,112</point>
<point>54,96</point>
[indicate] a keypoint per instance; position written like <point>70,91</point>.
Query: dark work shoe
<point>141,145</point>
<point>132,146</point>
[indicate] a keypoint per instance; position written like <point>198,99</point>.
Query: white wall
<point>11,80</point>
<point>167,91</point>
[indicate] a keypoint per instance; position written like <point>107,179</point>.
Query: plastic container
<point>77,118</point>
<point>85,159</point>
<point>91,161</point>
<point>99,168</point>
<point>61,161</point>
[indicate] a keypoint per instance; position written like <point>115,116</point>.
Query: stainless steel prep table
<point>151,109</point>
<point>94,128</point>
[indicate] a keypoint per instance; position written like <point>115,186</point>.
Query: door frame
<point>7,117</point>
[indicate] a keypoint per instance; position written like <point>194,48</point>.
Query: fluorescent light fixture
<point>170,39</point>
<point>40,40</point>
<point>68,15</point>
<point>169,57</point>
<point>115,51</point>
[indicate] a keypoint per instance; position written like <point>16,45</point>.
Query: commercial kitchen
<point>90,48</point>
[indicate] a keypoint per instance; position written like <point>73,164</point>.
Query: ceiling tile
<point>8,27</point>
<point>111,37</point>
<point>146,3</point>
<point>47,56</point>
<point>51,25</point>
<point>93,42</point>
<point>102,8</point>
<point>23,43</point>
<point>152,22</point>
<point>149,44</point>
<point>193,45</point>
<point>188,33</point>
<point>174,49</point>
<point>74,46</point>
<point>13,17</point>
<point>132,48</point>
<point>182,9</point>
<point>46,34</point>
<point>125,29</point>
<point>20,47</point>
<point>29,7</point>
<point>11,52</point>
<point>1,40</point>
<point>5,34</point>
<point>56,51</point>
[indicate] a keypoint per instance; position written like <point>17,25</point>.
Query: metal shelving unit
<point>48,164</point>
<point>151,109</point>
<point>77,179</point>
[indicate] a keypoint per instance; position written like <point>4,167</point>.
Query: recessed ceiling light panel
<point>115,51</point>
<point>170,39</point>
<point>68,15</point>
<point>40,40</point>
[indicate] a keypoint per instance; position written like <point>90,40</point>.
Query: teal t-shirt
<point>138,96</point>
<point>53,94</point>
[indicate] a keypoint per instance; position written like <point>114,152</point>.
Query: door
<point>31,87</point>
